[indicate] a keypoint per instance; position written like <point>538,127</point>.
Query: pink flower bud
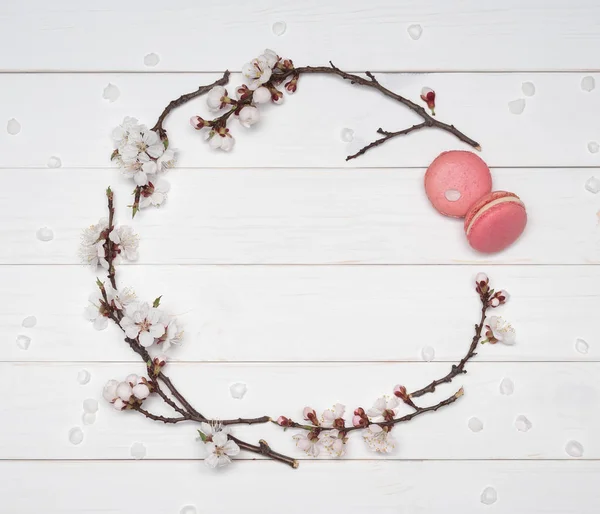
<point>359,421</point>
<point>197,122</point>
<point>310,415</point>
<point>110,390</point>
<point>400,392</point>
<point>494,302</point>
<point>160,360</point>
<point>482,279</point>
<point>282,421</point>
<point>502,296</point>
<point>428,96</point>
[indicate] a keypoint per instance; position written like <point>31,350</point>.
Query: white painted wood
<point>309,313</point>
<point>559,399</point>
<point>352,487</point>
<point>295,217</point>
<point>65,115</point>
<point>190,35</point>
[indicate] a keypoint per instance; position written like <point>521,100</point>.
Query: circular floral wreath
<point>144,155</point>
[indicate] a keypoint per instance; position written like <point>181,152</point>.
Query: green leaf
<point>156,302</point>
<point>166,143</point>
<point>99,283</point>
<point>202,436</point>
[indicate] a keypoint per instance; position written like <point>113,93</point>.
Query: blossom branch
<point>183,99</point>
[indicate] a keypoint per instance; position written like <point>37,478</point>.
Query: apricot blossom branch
<point>147,326</point>
<point>144,154</point>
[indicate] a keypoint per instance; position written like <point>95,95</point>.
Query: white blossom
<point>127,240</point>
<point>333,442</point>
<point>261,95</point>
<point>124,391</point>
<point>309,443</point>
<point>224,142</point>
<point>271,57</point>
<point>120,134</point>
<point>142,145</point>
<point>215,98</point>
<point>330,415</point>
<point>120,297</point>
<point>155,195</point>
<point>173,333</point>
<point>382,406</point>
<point>210,429</point>
<point>220,449</point>
<point>248,116</point>
<point>110,390</point>
<point>91,243</point>
<point>96,312</point>
<point>501,330</point>
<point>166,160</point>
<point>132,379</point>
<point>258,71</point>
<point>378,439</point>
<point>143,321</point>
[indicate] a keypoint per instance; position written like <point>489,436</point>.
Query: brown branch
<point>156,417</point>
<point>458,369</point>
<point>109,243</point>
<point>387,136</point>
<point>264,449</point>
<point>184,99</point>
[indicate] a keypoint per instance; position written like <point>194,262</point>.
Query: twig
<point>459,368</point>
<point>184,99</point>
<point>156,417</point>
<point>387,137</point>
<point>265,449</point>
<point>109,243</point>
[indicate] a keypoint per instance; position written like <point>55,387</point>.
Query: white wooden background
<point>311,280</point>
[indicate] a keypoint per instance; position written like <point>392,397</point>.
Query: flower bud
<point>110,390</point>
<point>400,392</point>
<point>359,421</point>
<point>282,421</point>
<point>482,279</point>
<point>276,95</point>
<point>119,404</point>
<point>494,302</point>
<point>198,123</point>
<point>124,391</point>
<point>243,92</point>
<point>502,296</point>
<point>261,95</point>
<point>310,415</point>
<point>428,96</point>
<point>248,116</point>
<point>141,391</point>
<point>132,379</point>
<point>160,360</point>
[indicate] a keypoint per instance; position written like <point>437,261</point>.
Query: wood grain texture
<point>305,130</point>
<point>297,216</point>
<point>559,399</point>
<point>309,313</point>
<point>352,487</point>
<point>474,35</point>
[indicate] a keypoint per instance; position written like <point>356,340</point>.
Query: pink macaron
<point>495,222</point>
<point>455,180</point>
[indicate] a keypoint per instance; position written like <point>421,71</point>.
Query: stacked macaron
<point>459,184</point>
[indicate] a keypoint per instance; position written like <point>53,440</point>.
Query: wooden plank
<point>559,400</point>
<point>472,35</point>
<point>306,130</point>
<point>295,217</point>
<point>309,313</point>
<point>387,487</point>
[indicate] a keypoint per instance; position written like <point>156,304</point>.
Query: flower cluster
<point>129,393</point>
<point>143,156</point>
<point>498,330</point>
<point>219,447</point>
<point>105,301</point>
<point>263,75</point>
<point>101,244</point>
